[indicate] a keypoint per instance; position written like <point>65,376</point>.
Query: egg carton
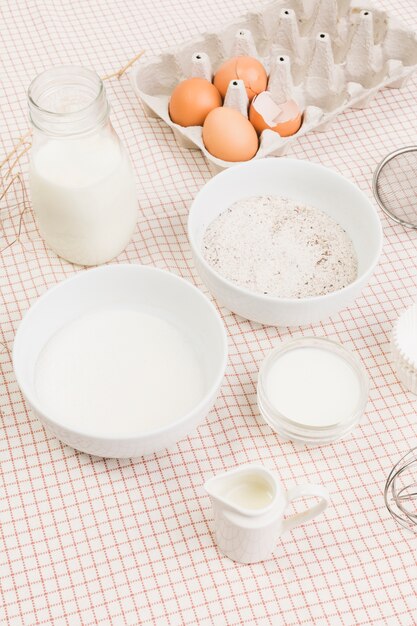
<point>327,55</point>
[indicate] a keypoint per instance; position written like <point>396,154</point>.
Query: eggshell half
<point>285,119</point>
<point>229,135</point>
<point>245,68</point>
<point>192,100</point>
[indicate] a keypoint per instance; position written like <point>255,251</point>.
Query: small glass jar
<point>81,181</point>
<point>312,390</point>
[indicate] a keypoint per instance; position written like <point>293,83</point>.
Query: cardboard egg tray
<point>328,55</point>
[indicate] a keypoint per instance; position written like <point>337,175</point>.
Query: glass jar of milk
<point>81,180</point>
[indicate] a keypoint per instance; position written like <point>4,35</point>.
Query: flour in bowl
<point>281,248</point>
<point>118,372</point>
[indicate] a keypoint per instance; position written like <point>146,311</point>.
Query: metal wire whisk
<point>400,492</point>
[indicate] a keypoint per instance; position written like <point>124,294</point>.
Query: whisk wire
<point>396,495</point>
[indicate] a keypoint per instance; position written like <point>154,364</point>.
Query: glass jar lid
<point>312,390</point>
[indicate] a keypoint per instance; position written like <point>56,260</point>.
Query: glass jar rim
<point>310,434</point>
<point>90,113</point>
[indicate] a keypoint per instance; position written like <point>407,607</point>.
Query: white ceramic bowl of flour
<point>121,361</point>
<point>308,184</point>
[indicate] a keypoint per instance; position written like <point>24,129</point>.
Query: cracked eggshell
<point>245,68</point>
<point>229,135</point>
<point>285,118</point>
<point>192,100</point>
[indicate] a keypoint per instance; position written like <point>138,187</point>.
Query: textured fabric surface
<point>92,541</point>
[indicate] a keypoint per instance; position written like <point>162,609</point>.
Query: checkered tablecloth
<point>91,541</point>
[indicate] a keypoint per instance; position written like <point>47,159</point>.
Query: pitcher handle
<point>298,492</point>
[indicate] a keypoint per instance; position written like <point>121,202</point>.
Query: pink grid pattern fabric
<point>91,541</point>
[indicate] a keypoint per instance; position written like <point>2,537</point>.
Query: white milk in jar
<point>81,181</point>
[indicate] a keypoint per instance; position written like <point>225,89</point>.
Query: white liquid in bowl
<point>118,372</point>
<point>313,387</point>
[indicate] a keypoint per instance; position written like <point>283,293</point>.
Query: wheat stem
<point>124,69</point>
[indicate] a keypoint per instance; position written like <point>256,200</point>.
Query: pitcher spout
<point>250,490</point>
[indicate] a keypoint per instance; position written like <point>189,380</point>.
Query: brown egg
<point>245,68</point>
<point>229,135</point>
<point>285,119</point>
<point>192,100</point>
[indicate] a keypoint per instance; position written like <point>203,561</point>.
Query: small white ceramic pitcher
<point>249,506</point>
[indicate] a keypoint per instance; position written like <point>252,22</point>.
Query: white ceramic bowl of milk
<point>303,182</point>
<point>121,361</point>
